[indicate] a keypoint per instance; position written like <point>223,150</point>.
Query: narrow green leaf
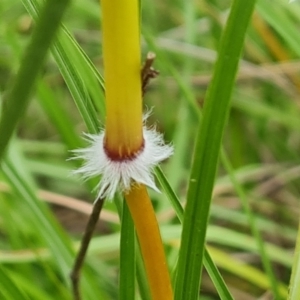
<point>18,97</point>
<point>58,115</point>
<point>142,277</point>
<point>46,226</point>
<point>127,257</point>
<point>77,88</point>
<point>272,11</point>
<point>8,288</point>
<point>18,282</point>
<point>208,143</point>
<point>81,77</point>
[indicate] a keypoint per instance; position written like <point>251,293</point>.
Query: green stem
<point>17,98</point>
<point>127,256</point>
<point>207,149</point>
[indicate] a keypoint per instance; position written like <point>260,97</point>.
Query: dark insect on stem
<point>148,72</point>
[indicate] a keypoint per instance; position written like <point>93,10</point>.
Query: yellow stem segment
<point>124,131</point>
<point>143,215</point>
<point>122,63</point>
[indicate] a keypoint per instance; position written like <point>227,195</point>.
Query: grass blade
<point>272,12</point>
<point>18,97</point>
<point>127,256</point>
<point>9,289</point>
<point>46,226</point>
<point>82,78</point>
<point>207,149</point>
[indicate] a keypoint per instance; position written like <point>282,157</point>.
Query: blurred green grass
<point>262,142</point>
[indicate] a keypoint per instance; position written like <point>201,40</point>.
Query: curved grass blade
<point>18,97</point>
<point>46,226</point>
<point>83,80</point>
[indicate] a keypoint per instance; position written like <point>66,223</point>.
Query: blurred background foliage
<point>262,142</point>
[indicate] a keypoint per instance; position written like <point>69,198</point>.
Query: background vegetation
<point>43,209</point>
